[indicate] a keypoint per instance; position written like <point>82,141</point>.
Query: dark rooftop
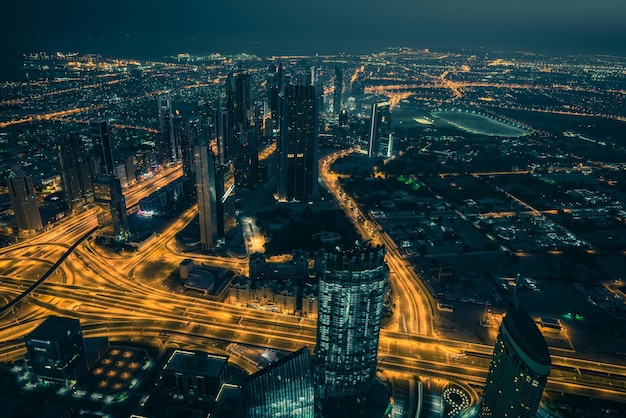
<point>524,331</point>
<point>197,363</point>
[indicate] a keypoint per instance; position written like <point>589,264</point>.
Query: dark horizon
<point>158,28</point>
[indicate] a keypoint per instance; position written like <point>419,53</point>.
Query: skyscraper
<point>350,302</point>
<point>519,368</point>
<point>282,389</point>
<point>101,137</point>
<point>223,133</point>
<point>239,101</point>
<point>75,174</point>
<point>112,214</point>
<point>225,200</point>
<point>297,147</point>
<point>276,88</point>
<point>381,138</point>
<point>166,147</point>
<point>338,90</point>
<point>206,194</point>
<point>55,349</point>
<point>24,201</point>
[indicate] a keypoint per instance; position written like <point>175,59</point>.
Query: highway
<point>112,295</point>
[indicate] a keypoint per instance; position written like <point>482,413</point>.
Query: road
<point>110,298</point>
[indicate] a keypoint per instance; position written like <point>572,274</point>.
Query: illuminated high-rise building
<point>206,194</point>
<point>276,84</point>
<point>282,389</point>
<point>23,201</point>
<point>338,91</point>
<point>223,133</point>
<point>350,304</point>
<point>297,145</point>
<point>75,175</point>
<point>225,201</point>
<point>166,147</point>
<point>239,103</point>
<point>112,214</point>
<point>381,137</point>
<point>103,143</point>
<point>519,368</point>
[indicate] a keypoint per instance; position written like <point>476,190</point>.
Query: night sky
<point>155,28</point>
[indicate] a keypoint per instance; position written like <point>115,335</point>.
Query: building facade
<point>282,390</point>
<point>24,201</point>
<point>519,368</point>
<point>350,304</point>
<point>381,138</point>
<point>297,146</point>
<point>75,174</point>
<point>55,350</point>
<point>103,143</point>
<point>205,191</point>
<point>112,214</point>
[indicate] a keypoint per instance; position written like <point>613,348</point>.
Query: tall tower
<point>223,133</point>
<point>276,87</point>
<point>166,145</point>
<point>101,135</point>
<point>225,200</point>
<point>282,389</point>
<point>112,217</point>
<point>351,296</point>
<point>297,147</point>
<point>519,368</point>
<point>338,90</point>
<point>381,139</point>
<point>205,190</point>
<point>24,201</point>
<point>75,174</point>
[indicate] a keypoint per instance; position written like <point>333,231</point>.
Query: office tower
<point>55,349</point>
<point>282,389</point>
<point>276,88</point>
<point>23,201</point>
<point>112,214</point>
<point>101,137</point>
<point>75,174</point>
<point>239,101</point>
<point>519,368</point>
<point>381,139</point>
<point>189,134</point>
<point>205,190</point>
<point>338,90</point>
<point>223,133</point>
<point>166,146</point>
<point>343,127</point>
<point>297,145</point>
<point>225,200</point>
<point>130,170</point>
<point>247,158</point>
<point>350,303</point>
<point>240,142</point>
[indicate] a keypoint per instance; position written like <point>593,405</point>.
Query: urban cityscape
<point>405,233</point>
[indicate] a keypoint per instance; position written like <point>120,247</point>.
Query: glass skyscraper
<point>283,389</point>
<point>519,368</point>
<point>297,146</point>
<point>350,303</point>
<point>381,138</point>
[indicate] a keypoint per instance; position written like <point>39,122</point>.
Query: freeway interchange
<point>110,297</point>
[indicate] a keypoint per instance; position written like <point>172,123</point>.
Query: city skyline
<point>152,29</point>
<point>504,180</point>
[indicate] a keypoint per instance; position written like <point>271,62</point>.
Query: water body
<point>480,124</point>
